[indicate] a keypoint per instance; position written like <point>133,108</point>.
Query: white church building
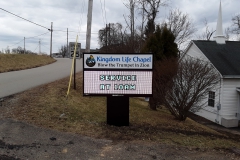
<point>223,103</point>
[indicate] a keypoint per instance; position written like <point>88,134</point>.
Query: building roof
<point>225,57</point>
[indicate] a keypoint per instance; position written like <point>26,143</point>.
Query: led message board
<point>117,74</point>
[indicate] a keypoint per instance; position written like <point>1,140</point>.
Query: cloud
<point>72,14</point>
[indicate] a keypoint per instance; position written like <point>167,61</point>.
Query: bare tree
<point>191,85</point>
<point>113,39</point>
<point>163,72</point>
<point>7,50</point>
<point>148,10</point>
<point>208,33</point>
<point>29,52</point>
<point>20,50</point>
<point>151,8</point>
<point>111,35</point>
<point>63,50</point>
<point>236,24</point>
<point>131,5</point>
<point>143,20</point>
<point>227,33</point>
<point>180,25</point>
<point>14,50</point>
<point>235,27</point>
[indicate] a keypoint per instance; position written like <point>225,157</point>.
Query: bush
<point>188,88</point>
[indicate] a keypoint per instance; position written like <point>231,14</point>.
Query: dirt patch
<point>4,157</point>
<point>20,141</point>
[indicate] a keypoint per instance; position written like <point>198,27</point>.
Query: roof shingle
<point>225,57</point>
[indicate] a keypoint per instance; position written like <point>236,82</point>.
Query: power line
<point>74,31</point>
<point>37,36</point>
<point>16,43</point>
<point>65,31</point>
<point>36,48</point>
<point>28,38</point>
<point>25,19</point>
<point>45,46</point>
<point>81,17</point>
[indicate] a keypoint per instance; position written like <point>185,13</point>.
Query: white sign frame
<point>118,80</point>
<point>118,61</point>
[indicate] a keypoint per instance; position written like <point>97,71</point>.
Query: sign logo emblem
<point>90,61</point>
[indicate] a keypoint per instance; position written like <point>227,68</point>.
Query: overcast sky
<point>72,14</point>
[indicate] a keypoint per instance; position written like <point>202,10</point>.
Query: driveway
<point>18,81</point>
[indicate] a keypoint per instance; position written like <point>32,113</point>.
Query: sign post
<point>118,111</point>
<point>117,76</point>
<point>78,55</point>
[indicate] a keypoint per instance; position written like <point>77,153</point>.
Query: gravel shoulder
<point>20,141</point>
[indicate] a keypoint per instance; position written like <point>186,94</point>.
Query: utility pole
<point>24,45</point>
<point>142,25</point>
<point>89,25</point>
<point>132,6</point>
<point>39,46</point>
<point>67,45</point>
<point>109,30</point>
<point>106,39</point>
<point>51,39</point>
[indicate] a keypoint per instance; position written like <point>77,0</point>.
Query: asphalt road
<point>18,81</point>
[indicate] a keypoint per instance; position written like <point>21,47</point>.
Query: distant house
<point>57,55</point>
<point>223,103</point>
<point>91,50</point>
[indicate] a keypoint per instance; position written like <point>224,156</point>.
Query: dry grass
<point>43,106</point>
<point>14,62</point>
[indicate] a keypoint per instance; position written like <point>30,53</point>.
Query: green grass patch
<point>15,62</point>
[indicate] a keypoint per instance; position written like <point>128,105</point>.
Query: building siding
<point>230,106</point>
<point>228,97</point>
<point>225,94</point>
<point>212,113</point>
<point>195,52</point>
